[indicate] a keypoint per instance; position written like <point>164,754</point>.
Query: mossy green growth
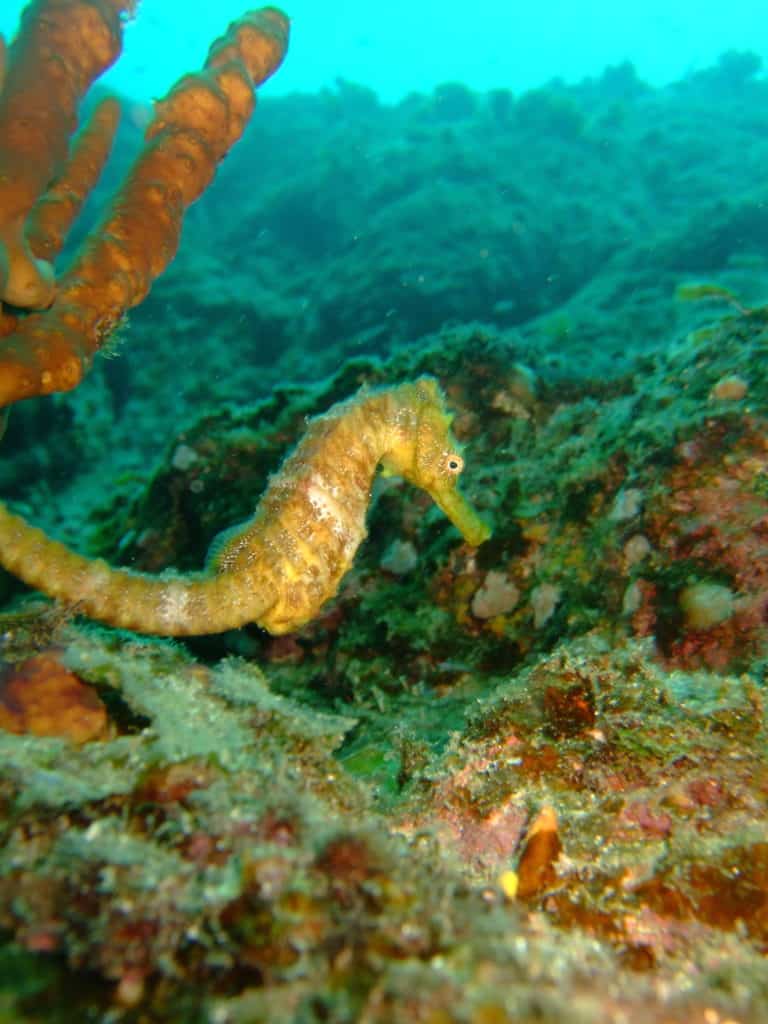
<point>21,975</point>
<point>226,715</point>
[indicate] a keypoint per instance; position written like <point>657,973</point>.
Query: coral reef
<point>212,860</point>
<point>520,783</point>
<point>549,812</point>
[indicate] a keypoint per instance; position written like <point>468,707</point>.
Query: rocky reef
<point>521,782</point>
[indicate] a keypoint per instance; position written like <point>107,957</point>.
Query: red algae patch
<point>710,524</point>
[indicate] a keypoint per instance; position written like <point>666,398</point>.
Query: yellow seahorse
<point>279,567</point>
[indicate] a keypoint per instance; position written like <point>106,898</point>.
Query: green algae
<point>57,774</point>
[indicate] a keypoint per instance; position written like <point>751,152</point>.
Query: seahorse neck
<point>384,416</point>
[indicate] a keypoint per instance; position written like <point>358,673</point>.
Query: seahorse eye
<point>453,463</point>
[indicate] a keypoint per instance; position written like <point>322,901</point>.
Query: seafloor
<point>523,783</point>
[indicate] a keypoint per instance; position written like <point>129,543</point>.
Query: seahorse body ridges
<point>279,567</point>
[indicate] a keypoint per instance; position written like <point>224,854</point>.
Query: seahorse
<point>278,568</point>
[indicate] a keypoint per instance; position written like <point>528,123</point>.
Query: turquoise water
<point>402,46</point>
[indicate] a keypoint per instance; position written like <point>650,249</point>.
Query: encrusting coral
<point>279,567</point>
<point>62,46</point>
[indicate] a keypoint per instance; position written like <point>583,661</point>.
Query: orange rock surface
<point>42,697</point>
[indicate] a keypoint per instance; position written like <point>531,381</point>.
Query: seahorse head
<point>426,454</point>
